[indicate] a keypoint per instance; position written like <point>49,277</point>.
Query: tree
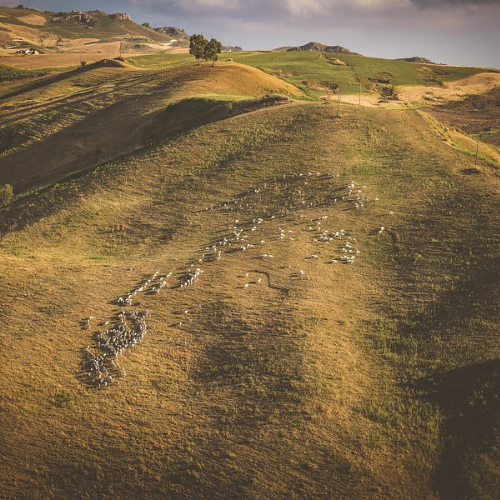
<point>197,45</point>
<point>212,48</point>
<point>6,195</point>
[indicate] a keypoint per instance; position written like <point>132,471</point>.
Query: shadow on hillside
<point>104,63</point>
<point>191,113</point>
<point>72,165</point>
<point>469,398</point>
<point>459,327</point>
<point>449,269</point>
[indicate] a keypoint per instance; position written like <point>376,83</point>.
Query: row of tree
<point>201,48</point>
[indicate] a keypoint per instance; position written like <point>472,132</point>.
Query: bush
<point>6,195</point>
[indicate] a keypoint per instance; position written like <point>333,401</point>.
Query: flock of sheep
<point>274,200</point>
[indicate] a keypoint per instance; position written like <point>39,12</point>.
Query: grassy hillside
<point>304,296</point>
<point>63,39</point>
<point>318,72</point>
<point>477,112</point>
<point>80,119</point>
<point>309,67</point>
<point>59,25</point>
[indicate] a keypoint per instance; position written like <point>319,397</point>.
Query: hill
<point>94,123</point>
<point>416,59</point>
<point>476,114</point>
<point>319,47</point>
<point>241,295</point>
<point>93,34</point>
<point>318,73</point>
<point>174,32</point>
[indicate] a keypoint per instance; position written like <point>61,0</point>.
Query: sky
<point>461,32</point>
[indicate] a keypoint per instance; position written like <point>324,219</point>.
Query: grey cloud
<point>439,3</point>
<point>276,11</point>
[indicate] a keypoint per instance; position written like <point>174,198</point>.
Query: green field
<point>313,66</point>
<point>310,68</point>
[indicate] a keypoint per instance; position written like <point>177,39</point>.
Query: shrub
<point>6,195</point>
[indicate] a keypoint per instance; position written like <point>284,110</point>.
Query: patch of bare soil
<point>437,96</point>
<point>476,84</point>
<point>77,42</point>
<point>109,49</point>
<point>33,19</point>
<point>366,100</point>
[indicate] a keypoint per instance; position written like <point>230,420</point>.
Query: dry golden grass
<point>33,19</point>
<point>302,385</point>
<point>106,50</point>
<point>475,84</point>
<point>85,119</point>
<point>30,35</point>
<point>424,94</point>
<point>65,60</point>
<point>77,42</point>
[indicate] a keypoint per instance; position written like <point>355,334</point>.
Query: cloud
<point>441,3</point>
<point>301,8</point>
<point>267,11</point>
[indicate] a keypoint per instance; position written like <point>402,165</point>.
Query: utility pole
<point>360,93</point>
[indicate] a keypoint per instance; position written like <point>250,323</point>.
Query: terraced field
<point>263,299</point>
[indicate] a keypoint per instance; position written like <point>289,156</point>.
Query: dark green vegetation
<point>8,74</point>
<point>283,371</point>
<point>201,48</point>
<point>6,195</point>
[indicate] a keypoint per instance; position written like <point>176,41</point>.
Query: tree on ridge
<point>200,48</point>
<point>212,49</point>
<point>197,44</point>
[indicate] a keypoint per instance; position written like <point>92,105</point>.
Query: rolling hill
<point>216,285</point>
<point>78,35</point>
<point>320,47</point>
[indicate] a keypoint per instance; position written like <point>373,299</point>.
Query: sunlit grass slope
<point>287,368</point>
<point>70,122</point>
<point>316,67</point>
<point>314,72</point>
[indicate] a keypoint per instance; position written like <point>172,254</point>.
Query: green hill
<point>313,69</point>
<point>244,295</point>
<point>317,73</point>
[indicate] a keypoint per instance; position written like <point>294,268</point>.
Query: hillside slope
<point>346,74</point>
<point>322,319</point>
<point>81,119</point>
<point>63,39</point>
